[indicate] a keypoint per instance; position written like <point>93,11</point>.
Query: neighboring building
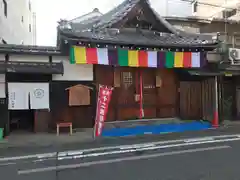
<point>215,8</point>
<point>25,80</point>
<point>177,8</point>
<point>34,89</point>
<point>17,21</point>
<point>229,73</point>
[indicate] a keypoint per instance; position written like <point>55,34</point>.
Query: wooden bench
<point>65,124</point>
<point>15,121</point>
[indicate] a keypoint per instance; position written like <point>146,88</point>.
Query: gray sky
<point>48,12</point>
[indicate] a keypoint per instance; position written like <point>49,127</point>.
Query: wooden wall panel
<point>149,87</point>
<point>197,99</point>
<point>127,113</point>
<point>150,112</point>
<point>80,116</point>
<point>42,119</point>
<point>190,100</point>
<point>167,94</point>
<point>105,75</point>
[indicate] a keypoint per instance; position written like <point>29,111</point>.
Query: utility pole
<point>166,7</point>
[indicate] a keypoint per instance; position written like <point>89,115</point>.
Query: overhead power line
<point>212,5</point>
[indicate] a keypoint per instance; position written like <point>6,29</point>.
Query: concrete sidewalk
<point>23,139</point>
<point>41,143</point>
<point>45,139</point>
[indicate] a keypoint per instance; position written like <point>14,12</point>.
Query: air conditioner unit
<point>234,56</point>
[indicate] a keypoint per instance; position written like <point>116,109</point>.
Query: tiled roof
<point>101,29</point>
<point>148,38</point>
<point>24,49</point>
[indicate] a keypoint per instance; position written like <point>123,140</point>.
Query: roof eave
<point>34,50</point>
<point>190,46</point>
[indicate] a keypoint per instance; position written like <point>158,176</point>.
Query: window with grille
<point>126,79</point>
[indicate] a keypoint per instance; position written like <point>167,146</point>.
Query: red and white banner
<point>104,97</point>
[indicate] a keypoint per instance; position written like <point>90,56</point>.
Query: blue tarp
<point>156,129</point>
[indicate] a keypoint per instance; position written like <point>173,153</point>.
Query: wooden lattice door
<point>126,103</point>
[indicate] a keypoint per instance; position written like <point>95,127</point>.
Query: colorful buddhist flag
<point>196,59</point>
<point>102,55</point>
<point>161,59</point>
<point>113,57</point>
<point>123,57</point>
<point>178,59</point>
<point>72,56</point>
<point>152,58</point>
<point>135,58</point>
<point>187,59</point>
<point>80,55</point>
<point>143,58</point>
<point>91,56</point>
<point>169,59</point>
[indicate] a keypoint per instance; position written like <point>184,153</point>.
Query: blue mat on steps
<point>156,129</point>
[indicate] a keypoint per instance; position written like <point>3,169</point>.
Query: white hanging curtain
<point>18,97</point>
<point>39,95</point>
<point>2,86</point>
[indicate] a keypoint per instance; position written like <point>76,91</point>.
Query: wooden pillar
<point>215,121</point>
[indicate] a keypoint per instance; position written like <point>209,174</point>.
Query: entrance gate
<point>159,90</point>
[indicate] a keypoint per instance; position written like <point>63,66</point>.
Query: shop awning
<point>31,67</point>
<point>214,73</point>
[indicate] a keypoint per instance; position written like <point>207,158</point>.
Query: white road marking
<point>211,139</point>
<point>145,149</point>
<point>137,146</point>
<point>27,157</point>
<point>199,139</point>
<point>70,153</point>
<point>87,164</point>
<point>7,164</point>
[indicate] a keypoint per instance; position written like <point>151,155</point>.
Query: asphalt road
<point>202,158</point>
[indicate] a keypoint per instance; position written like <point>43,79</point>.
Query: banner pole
<point>94,128</point>
<point>141,96</point>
